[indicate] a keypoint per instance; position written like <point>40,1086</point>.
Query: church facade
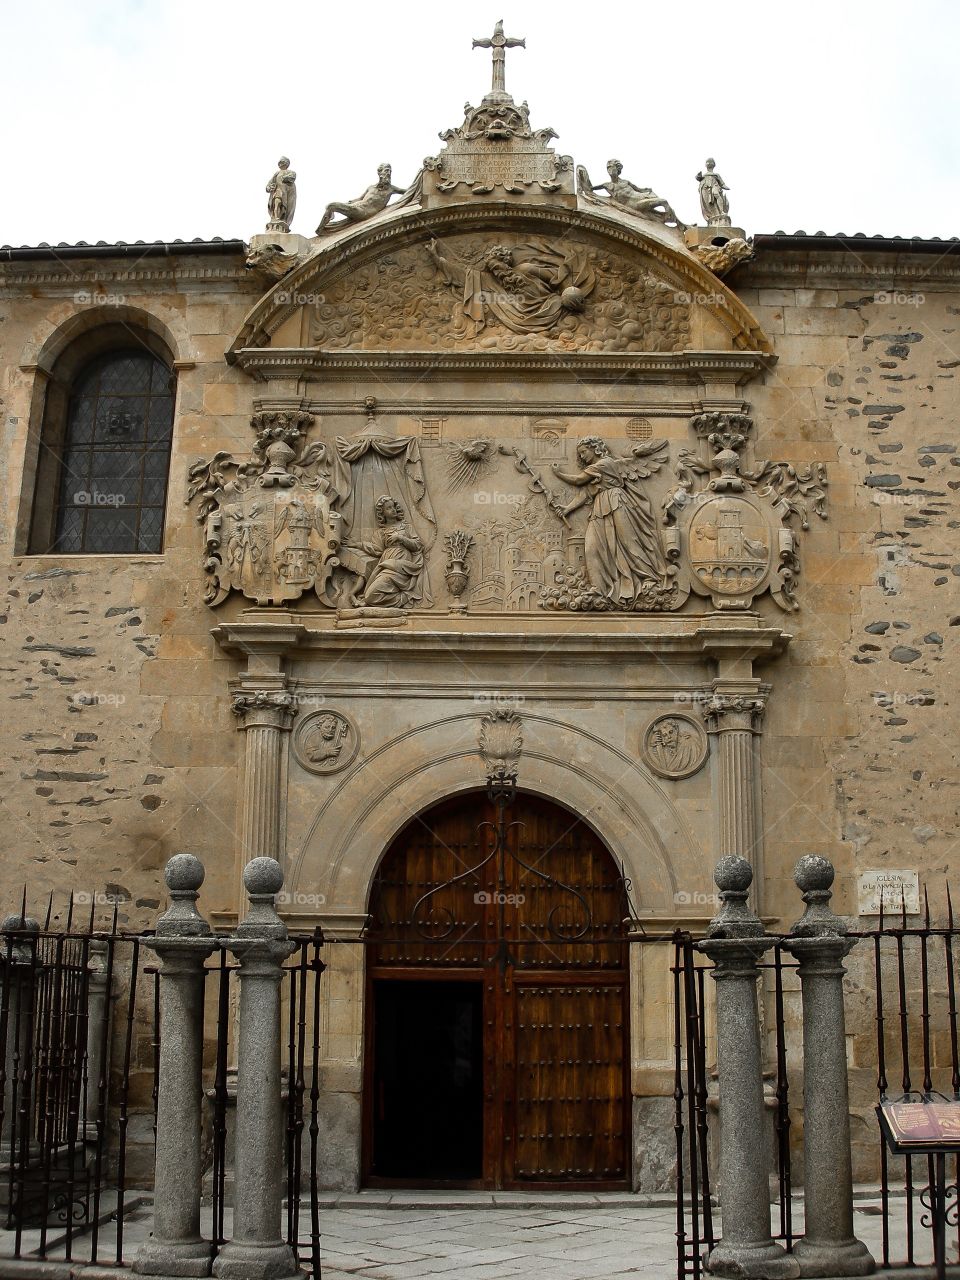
<point>497,559</point>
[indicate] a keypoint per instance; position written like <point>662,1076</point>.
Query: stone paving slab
<point>402,1236</point>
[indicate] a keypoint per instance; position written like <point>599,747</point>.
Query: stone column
<point>735,943</point>
<point>735,718</point>
<point>98,1010</point>
<point>818,941</point>
<point>258,1250</point>
<point>265,716</point>
<point>17,977</point>
<point>183,942</point>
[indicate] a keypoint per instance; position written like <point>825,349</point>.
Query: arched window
<point>102,477</point>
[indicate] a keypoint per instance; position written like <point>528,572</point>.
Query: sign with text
<point>898,889</point>
<point>920,1125</point>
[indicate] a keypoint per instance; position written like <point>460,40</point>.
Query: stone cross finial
<point>184,875</point>
<point>814,876</point>
<point>499,43</point>
<point>733,876</point>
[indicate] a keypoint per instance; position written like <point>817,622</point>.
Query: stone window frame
<point>36,526</point>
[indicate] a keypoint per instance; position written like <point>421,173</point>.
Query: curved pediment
<point>499,279</point>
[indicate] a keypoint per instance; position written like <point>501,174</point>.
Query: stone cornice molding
<point>852,269</point>
<point>353,250</point>
<point>69,277</point>
<point>689,368</point>
<point>699,638</point>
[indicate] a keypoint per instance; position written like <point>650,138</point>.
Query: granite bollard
<point>183,942</point>
<point>819,942</point>
<point>257,1250</point>
<point>735,943</point>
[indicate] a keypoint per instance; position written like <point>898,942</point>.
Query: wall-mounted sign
<point>898,889</point>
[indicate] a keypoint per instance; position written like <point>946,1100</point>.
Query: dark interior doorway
<point>428,1081</point>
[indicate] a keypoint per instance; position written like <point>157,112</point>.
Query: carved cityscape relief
<point>532,516</point>
<point>503,293</point>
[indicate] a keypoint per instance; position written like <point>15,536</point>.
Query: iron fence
<point>902,1015</point>
<point>79,1058</point>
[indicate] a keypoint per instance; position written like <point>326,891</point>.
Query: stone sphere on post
<point>813,873</point>
<point>733,876</point>
<point>184,873</point>
<point>263,877</point>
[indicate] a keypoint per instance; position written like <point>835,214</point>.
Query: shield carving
<point>731,538</point>
<point>276,543</point>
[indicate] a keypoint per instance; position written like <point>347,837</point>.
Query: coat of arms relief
<point>351,521</point>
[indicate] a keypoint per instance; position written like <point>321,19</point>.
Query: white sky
<point>153,119</point>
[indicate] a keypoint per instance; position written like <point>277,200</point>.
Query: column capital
<point>736,709</point>
<point>264,708</point>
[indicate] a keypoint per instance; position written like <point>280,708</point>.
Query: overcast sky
<point>165,118</point>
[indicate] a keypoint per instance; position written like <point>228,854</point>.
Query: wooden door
<point>539,930</point>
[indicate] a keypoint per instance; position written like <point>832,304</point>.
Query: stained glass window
<point>116,455</point>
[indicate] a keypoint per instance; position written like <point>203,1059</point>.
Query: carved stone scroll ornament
<point>721,258</point>
<point>735,527</point>
<point>501,741</point>
<point>270,528</point>
<point>623,194</point>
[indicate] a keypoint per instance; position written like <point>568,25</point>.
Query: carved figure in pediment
<point>374,200</point>
<point>388,567</point>
<point>622,551</point>
<point>527,288</point>
<point>626,195</point>
<point>713,196</point>
<point>281,196</point>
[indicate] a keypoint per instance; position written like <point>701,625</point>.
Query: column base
<point>766,1261</point>
<point>190,1258</point>
<point>826,1258</point>
<point>237,1261</point>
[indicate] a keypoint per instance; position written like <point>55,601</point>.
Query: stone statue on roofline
<point>713,197</point>
<point>373,201</point>
<point>281,196</point>
<point>626,195</point>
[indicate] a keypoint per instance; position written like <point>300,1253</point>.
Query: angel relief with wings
<point>624,557</point>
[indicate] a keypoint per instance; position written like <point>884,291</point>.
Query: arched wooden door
<point>497,1028</point>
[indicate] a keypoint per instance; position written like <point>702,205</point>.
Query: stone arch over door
<point>629,809</point>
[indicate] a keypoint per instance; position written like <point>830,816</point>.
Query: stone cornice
<point>689,368</point>
<point>651,636</point>
<point>54,276</point>
<point>847,269</point>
